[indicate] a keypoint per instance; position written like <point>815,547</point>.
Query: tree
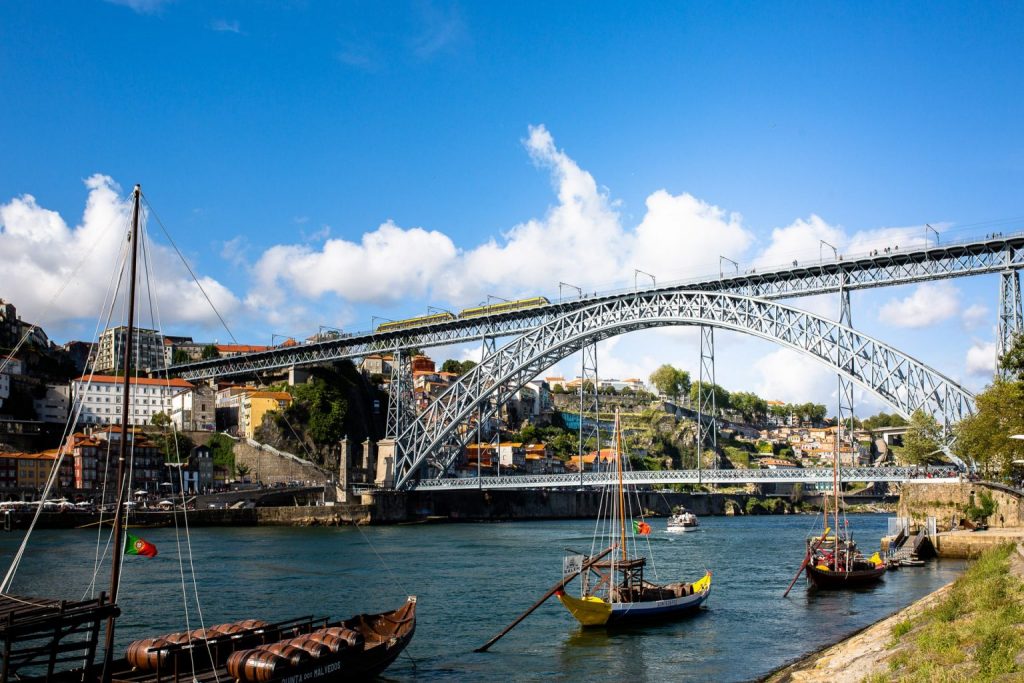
<point>210,351</point>
<point>750,405</point>
<point>883,420</point>
<point>922,438</point>
<point>984,437</point>
<point>671,381</point>
<point>721,395</point>
<point>179,356</point>
<point>1012,362</point>
<point>222,451</point>
<point>160,419</point>
<point>324,407</point>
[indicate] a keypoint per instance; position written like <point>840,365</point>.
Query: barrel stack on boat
<point>253,651</point>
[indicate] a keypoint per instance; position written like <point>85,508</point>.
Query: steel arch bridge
<point>904,383</point>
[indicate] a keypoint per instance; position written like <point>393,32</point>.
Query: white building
<point>194,410</point>
<point>147,347</point>
<point>101,398</point>
<point>53,406</point>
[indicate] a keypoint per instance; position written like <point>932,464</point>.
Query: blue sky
<point>323,162</point>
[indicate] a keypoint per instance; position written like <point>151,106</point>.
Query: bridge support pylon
<point>401,408</point>
<point>1011,320</point>
<point>707,405</point>
<point>845,417</point>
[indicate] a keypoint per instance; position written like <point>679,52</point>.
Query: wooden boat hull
<point>386,636</point>
<point>594,611</point>
<point>836,580</point>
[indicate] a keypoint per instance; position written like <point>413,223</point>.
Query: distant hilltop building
<point>148,348</point>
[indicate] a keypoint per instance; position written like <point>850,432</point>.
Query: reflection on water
<point>474,579</point>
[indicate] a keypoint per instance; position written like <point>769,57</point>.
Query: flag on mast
<point>641,527</point>
<point>133,545</point>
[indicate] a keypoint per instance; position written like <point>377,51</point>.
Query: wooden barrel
<point>252,623</point>
<point>354,639</point>
<point>332,643</point>
<point>315,648</point>
<point>294,655</point>
<point>176,638</point>
<point>255,666</point>
<point>147,654</point>
<point>227,629</point>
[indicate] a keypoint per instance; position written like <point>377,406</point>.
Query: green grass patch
<point>973,634</point>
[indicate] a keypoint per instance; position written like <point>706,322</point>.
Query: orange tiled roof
<point>278,395</point>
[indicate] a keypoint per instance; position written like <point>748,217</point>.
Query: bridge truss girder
<point>901,381</point>
<point>821,277</point>
<point>786,475</point>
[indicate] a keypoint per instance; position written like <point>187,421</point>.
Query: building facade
<point>100,398</point>
<point>194,410</point>
<point>255,405</point>
<point>148,349</point>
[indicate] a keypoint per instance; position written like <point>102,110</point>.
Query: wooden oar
<point>807,558</point>
<point>554,589</point>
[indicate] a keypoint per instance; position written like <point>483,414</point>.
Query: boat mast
<point>118,545</point>
<point>835,494</point>
<point>622,495</point>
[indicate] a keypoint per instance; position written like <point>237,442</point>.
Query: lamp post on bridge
<point>721,272</point>
<point>566,284</point>
<point>375,318</point>
<point>927,227</point>
<point>637,271</point>
<point>437,309</point>
<point>835,252</point>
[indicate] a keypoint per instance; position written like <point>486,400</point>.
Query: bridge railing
<point>788,475</point>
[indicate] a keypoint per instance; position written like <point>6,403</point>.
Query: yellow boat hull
<point>593,611</point>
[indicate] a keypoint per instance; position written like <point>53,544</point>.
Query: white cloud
<point>142,6</point>
<point>975,315</point>
<point>387,265</point>
<point>929,304</point>
<point>44,258</point>
<point>981,359</point>
<point>224,26</point>
<point>789,376</point>
<point>800,240</point>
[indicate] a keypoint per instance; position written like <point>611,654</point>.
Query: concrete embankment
<point>398,507</point>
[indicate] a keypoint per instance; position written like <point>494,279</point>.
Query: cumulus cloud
<point>387,265</point>
<point>981,359</point>
<point>929,304</point>
<point>580,239</point>
<point>43,258</point>
<point>975,315</point>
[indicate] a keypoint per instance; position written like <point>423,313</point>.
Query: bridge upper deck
<point>861,271</point>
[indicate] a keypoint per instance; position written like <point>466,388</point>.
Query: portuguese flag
<point>641,527</point>
<point>133,545</point>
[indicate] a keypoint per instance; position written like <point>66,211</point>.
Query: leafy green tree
<point>922,438</point>
<point>1012,362</point>
<point>222,451</point>
<point>671,381</point>
<point>750,405</point>
<point>984,437</point>
<point>160,419</point>
<point>883,420</point>
<point>324,408</point>
<point>179,356</point>
<point>210,351</point>
<point>721,395</point>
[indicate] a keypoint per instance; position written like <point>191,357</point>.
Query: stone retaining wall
<point>944,501</point>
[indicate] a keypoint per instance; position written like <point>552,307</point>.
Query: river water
<point>474,579</point>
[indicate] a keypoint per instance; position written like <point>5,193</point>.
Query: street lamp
<point>926,229</point>
<point>566,284</point>
<point>721,273</point>
<point>375,318</point>
<point>835,251</point>
<point>637,271</point>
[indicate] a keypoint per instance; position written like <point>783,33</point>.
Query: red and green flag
<point>133,545</point>
<point>641,527</point>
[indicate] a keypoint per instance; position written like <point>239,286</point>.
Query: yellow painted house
<point>256,404</point>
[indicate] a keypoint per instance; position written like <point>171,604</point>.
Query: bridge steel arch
<point>898,379</point>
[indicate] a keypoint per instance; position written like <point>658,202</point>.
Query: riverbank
<point>968,630</point>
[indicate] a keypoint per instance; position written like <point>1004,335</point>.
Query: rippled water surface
<point>474,579</point>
